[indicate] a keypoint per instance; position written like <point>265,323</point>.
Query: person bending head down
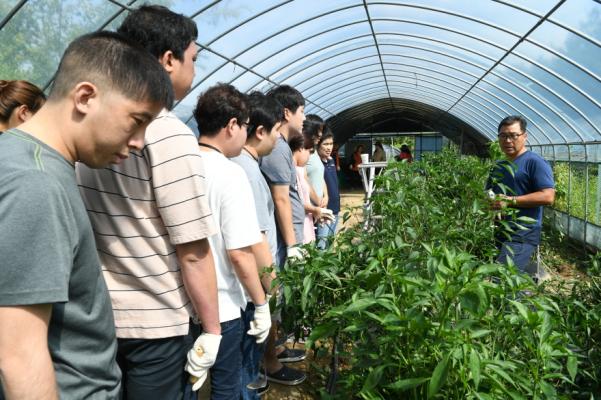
<point>19,100</point>
<point>106,91</point>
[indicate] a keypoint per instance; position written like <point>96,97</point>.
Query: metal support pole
<point>569,187</point>
<point>585,194</point>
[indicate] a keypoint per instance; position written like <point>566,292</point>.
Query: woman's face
<point>325,148</point>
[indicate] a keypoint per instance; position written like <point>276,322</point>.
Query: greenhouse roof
<point>451,66</point>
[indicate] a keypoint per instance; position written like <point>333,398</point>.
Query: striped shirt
<point>140,210</point>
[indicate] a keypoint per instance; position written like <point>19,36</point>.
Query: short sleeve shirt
<point>531,173</point>
<point>230,197</point>
<point>278,169</point>
<point>49,257</point>
<point>140,210</point>
<point>331,179</point>
<point>315,171</point>
<point>262,196</point>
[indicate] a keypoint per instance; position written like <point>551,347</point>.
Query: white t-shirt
<point>231,201</point>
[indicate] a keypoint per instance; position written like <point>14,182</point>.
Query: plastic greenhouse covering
<point>456,66</point>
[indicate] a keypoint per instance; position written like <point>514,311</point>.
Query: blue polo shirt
<point>528,173</point>
<point>331,177</point>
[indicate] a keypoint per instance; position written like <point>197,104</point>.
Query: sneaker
<point>263,390</point>
<point>291,355</point>
<point>287,376</point>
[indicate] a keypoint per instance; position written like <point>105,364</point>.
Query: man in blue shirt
<point>525,182</point>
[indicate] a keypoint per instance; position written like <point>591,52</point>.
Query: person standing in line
<point>57,334</point>
<point>312,131</point>
<point>222,115</point>
<point>264,123</point>
<point>324,150</point>
<point>525,182</point>
<point>301,151</point>
<point>280,173</point>
<point>19,100</point>
<point>152,221</point>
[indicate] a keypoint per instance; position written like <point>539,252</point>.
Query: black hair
<point>287,96</point>
<point>405,149</point>
<point>512,119</point>
<point>159,30</point>
<point>296,142</point>
<point>217,106</point>
<point>110,60</point>
<point>312,126</point>
<point>264,111</point>
<point>326,135</point>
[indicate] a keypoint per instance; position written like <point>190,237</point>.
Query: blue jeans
<point>519,252</point>
<point>225,373</point>
<point>324,231</point>
<point>251,356</point>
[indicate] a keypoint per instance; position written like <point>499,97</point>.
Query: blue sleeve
<point>37,252</point>
<point>542,175</point>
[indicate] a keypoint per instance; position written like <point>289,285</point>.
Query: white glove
<point>201,357</point>
<point>327,214</point>
<point>259,327</point>
<point>295,252</point>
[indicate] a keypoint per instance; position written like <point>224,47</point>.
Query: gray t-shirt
<point>278,169</point>
<point>49,257</point>
<point>262,196</point>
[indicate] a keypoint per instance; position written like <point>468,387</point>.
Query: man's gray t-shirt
<point>278,169</point>
<point>262,196</point>
<point>49,257</point>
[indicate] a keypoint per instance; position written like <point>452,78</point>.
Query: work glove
<point>327,214</point>
<point>295,252</point>
<point>259,326</point>
<point>201,357</point>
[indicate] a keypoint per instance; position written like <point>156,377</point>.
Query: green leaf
<point>439,376</point>
<point>479,333</point>
<point>360,304</point>
<point>572,366</point>
<point>475,367</point>
<point>521,309</point>
<point>406,384</point>
<point>374,377</point>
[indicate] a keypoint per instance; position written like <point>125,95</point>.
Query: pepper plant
<point>417,308</point>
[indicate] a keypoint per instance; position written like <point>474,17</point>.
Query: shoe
<point>263,390</point>
<point>287,376</point>
<point>291,355</point>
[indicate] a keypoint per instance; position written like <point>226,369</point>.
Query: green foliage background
<point>418,308</point>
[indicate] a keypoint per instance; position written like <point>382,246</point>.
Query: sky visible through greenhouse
<point>474,61</point>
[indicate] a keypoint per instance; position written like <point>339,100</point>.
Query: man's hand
<point>259,326</point>
<point>501,202</point>
<point>201,357</point>
<point>295,252</point>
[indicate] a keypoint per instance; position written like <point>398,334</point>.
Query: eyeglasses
<point>513,137</point>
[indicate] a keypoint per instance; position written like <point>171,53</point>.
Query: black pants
<point>153,368</point>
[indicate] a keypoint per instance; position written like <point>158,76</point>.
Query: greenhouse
<point>406,299</point>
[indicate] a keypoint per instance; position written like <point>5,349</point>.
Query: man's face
<point>295,120</point>
<point>270,139</point>
<point>116,125</point>
<point>512,140</point>
<point>238,139</point>
<point>183,72</point>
